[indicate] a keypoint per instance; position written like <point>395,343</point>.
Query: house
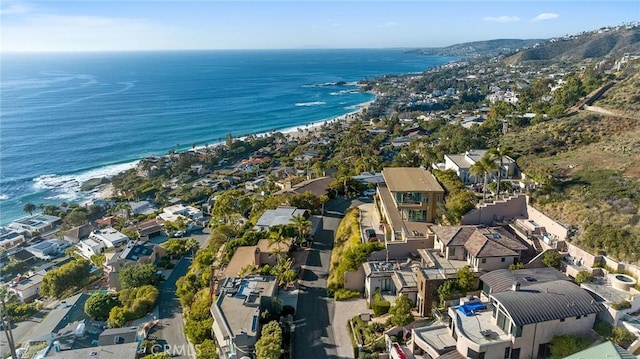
<point>140,207</point>
<point>254,184</point>
<point>133,253</point>
<point>408,199</point>
<point>172,213</point>
<point>28,289</point>
<point>484,249</point>
<point>265,252</point>
<point>115,336</point>
<point>110,237</point>
<point>279,216</point>
<point>518,323</point>
<point>38,223</point>
<point>123,351</point>
<point>148,229</point>
<point>89,247</point>
<point>47,249</point>
<point>461,165</point>
<point>236,314</point>
<point>501,280</point>
<point>10,238</point>
<point>392,278</point>
<point>367,178</point>
<point>77,234</point>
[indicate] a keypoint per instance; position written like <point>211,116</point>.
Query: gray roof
<point>279,216</point>
<point>121,351</point>
<point>60,317</point>
<point>501,280</point>
<point>547,301</point>
<point>125,335</point>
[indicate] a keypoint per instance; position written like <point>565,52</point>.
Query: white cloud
<point>501,18</point>
<point>12,9</point>
<point>545,16</point>
<point>391,24</point>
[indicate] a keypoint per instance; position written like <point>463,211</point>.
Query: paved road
<point>21,332</point>
<point>171,327</point>
<point>313,336</point>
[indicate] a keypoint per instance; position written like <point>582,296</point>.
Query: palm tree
<point>485,166</point>
<point>302,224</point>
<point>29,207</point>
<point>499,152</point>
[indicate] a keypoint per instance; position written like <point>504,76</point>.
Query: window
<point>474,354</point>
<point>518,332</point>
<point>515,353</point>
<point>561,320</point>
<point>484,260</point>
<point>452,251</point>
<point>578,317</point>
<point>502,260</point>
<point>507,353</point>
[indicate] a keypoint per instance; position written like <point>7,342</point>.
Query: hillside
<point>480,48</point>
<point>581,47</point>
<point>590,166</point>
<point>625,97</point>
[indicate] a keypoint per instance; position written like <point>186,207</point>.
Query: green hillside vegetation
<point>624,98</point>
<point>589,170</point>
<point>587,46</point>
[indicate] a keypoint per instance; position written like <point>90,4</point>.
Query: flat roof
<point>32,281</point>
<point>7,234</point>
<point>279,216</point>
<point>109,234</point>
<point>410,179</point>
<point>119,351</point>
<point>237,308</point>
<point>437,336</point>
<point>481,321</point>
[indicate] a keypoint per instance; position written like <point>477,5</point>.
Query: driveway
<point>345,310</point>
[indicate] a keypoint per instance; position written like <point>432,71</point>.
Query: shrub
<point>380,307</point>
<point>584,277</point>
<point>345,294</point>
<point>565,345</point>
<point>621,305</point>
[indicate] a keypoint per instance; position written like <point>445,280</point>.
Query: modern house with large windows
<point>519,322</point>
<point>408,199</point>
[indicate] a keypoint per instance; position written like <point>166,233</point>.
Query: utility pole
<point>6,322</point>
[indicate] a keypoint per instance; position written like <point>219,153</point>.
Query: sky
<point>115,25</point>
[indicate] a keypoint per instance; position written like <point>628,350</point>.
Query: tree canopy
<point>138,275</point>
<point>98,306</point>
<point>269,346</point>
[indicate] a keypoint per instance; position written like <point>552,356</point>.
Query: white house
<point>172,213</point>
<point>110,237</point>
<point>38,223</point>
<point>90,246</point>
<point>462,163</point>
<point>9,238</point>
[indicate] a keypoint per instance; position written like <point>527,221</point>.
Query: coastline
<point>298,132</point>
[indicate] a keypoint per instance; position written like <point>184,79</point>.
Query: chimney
<point>515,286</point>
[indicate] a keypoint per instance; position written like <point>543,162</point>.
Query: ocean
<point>69,117</point>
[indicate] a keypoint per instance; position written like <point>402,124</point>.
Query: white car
<point>369,192</point>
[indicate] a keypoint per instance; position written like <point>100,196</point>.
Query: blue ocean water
<point>65,118</point>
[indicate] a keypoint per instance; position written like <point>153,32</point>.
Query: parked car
<point>371,234</point>
<point>369,192</point>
